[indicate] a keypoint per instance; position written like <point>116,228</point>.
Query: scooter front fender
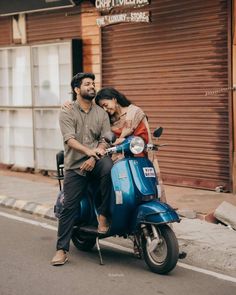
<point>156,212</point>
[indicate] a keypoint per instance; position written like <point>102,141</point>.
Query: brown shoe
<point>103,225</point>
<point>60,258</point>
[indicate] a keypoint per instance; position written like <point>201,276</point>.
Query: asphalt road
<point>26,251</point>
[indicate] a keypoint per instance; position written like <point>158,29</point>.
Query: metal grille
<point>176,69</point>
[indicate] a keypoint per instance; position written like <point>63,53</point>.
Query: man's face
<point>87,89</point>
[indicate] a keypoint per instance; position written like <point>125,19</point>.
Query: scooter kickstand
<point>99,251</point>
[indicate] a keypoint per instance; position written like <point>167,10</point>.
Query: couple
<point>83,125</point>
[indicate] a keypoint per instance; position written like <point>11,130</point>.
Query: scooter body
<point>134,199</point>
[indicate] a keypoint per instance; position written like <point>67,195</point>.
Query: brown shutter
<point>53,25</point>
<point>5,31</point>
<point>176,69</point>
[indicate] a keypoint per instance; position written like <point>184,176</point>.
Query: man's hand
<point>92,153</point>
<point>100,150</point>
<point>88,165</point>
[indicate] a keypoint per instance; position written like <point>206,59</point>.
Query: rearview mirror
<point>158,132</point>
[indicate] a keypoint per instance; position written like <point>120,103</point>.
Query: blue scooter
<point>136,210</point>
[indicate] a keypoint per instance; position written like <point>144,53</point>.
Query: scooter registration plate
<point>149,172</point>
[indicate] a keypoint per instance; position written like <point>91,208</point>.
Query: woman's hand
<point>67,105</point>
<point>119,140</point>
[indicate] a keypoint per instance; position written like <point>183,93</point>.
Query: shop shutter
<point>5,31</point>
<point>54,25</point>
<point>176,69</point>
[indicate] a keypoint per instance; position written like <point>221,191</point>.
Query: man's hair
<point>77,81</point>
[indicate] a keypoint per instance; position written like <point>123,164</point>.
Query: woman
<point>126,118</point>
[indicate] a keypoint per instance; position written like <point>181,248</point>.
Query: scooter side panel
<point>123,202</point>
<point>85,212</point>
<point>144,176</point>
<point>156,212</point>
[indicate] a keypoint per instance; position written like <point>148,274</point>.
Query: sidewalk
<point>210,246</point>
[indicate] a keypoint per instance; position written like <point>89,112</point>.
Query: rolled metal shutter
<point>176,69</point>
<point>5,31</point>
<point>53,25</point>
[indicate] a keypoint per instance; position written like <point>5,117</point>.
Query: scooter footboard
<point>156,212</point>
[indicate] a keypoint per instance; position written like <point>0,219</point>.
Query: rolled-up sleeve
<point>67,125</point>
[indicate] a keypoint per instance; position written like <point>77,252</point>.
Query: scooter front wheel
<point>161,253</point>
<point>82,242</point>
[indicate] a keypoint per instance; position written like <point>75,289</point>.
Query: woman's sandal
<point>103,226</point>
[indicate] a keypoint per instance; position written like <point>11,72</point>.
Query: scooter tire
<point>82,243</point>
<point>164,258</point>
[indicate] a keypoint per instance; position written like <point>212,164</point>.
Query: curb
<point>28,207</point>
<point>47,211</point>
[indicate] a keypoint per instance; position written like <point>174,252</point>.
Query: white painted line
<point>207,272</point>
<point>122,248</point>
<point>30,221</point>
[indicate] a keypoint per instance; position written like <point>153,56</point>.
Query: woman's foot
<point>103,225</point>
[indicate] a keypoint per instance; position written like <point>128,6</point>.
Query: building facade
<point>177,65</point>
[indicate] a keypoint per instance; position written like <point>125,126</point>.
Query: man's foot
<point>103,225</point>
<point>60,258</point>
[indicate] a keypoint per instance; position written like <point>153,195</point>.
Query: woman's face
<point>109,105</point>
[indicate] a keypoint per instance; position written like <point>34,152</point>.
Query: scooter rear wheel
<point>81,242</point>
<point>164,257</point>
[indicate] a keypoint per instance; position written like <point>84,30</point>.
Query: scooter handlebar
<point>111,150</point>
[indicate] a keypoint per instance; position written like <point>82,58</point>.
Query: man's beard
<point>88,96</point>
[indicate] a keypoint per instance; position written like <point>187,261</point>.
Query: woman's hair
<point>110,93</point>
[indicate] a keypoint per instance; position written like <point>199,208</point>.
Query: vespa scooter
<point>136,210</point>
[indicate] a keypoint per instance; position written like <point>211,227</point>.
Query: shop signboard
<point>141,16</point>
<point>107,5</point>
<point>121,11</point>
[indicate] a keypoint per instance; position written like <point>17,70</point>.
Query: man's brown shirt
<point>86,128</point>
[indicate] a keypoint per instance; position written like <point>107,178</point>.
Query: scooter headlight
<point>136,145</point>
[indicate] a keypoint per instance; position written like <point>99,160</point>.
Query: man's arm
<point>74,144</point>
<point>68,133</point>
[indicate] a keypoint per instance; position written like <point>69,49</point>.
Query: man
<point>82,127</point>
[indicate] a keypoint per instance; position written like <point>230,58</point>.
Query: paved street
<point>25,268</point>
